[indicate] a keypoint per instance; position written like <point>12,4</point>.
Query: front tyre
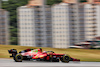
<point>65,59</point>
<point>18,58</point>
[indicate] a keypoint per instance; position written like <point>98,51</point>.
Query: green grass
<point>82,54</point>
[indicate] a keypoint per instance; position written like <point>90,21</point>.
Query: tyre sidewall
<point>16,58</point>
<point>66,60</point>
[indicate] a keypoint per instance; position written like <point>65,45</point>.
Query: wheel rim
<point>66,58</point>
<point>19,58</point>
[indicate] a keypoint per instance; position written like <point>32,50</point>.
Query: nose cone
<point>76,59</point>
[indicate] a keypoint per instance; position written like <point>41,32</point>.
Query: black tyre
<point>18,58</point>
<point>65,59</point>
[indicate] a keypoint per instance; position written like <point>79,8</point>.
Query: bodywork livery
<point>37,54</point>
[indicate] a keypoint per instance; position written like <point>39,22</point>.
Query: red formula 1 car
<point>37,54</point>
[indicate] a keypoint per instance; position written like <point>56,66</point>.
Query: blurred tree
<point>11,6</point>
<point>82,0</point>
<point>51,2</point>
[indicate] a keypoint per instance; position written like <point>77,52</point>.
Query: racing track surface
<point>11,63</point>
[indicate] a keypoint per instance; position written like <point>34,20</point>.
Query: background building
<point>74,22</point>
<point>67,24</point>
<point>92,19</point>
<point>35,2</point>
<point>35,24</point>
<point>70,1</point>
<point>93,1</point>
<point>4,27</point>
<point>60,25</point>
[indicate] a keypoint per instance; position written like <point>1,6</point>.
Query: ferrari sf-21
<point>37,54</point>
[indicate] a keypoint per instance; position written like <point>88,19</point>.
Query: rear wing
<point>13,52</point>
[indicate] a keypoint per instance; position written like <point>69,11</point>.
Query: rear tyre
<point>18,58</point>
<point>65,59</point>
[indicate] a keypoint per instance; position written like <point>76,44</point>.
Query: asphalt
<point>11,63</point>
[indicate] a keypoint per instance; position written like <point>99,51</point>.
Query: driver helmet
<point>44,52</point>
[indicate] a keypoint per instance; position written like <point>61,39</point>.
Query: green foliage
<point>82,0</point>
<point>13,34</point>
<point>11,6</point>
<point>51,2</point>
